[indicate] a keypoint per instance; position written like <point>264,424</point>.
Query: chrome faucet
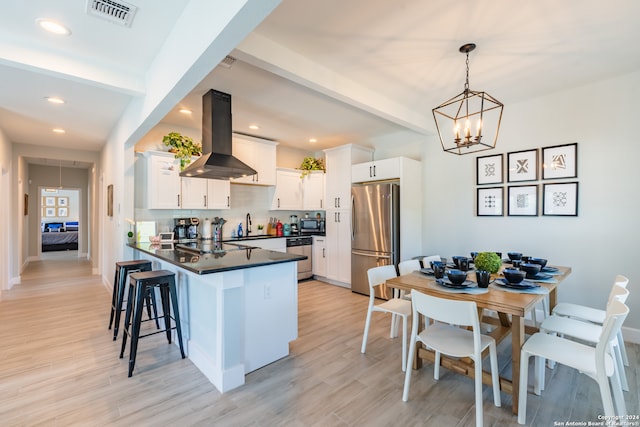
<point>248,227</point>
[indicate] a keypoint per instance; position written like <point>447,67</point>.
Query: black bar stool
<point>123,269</point>
<point>140,285</point>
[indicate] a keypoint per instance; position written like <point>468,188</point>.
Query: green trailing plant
<point>182,147</point>
<point>311,164</point>
<point>488,261</point>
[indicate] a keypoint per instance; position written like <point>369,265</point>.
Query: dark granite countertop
<point>234,258</point>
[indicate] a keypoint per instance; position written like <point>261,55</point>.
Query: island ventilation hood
<point>216,161</point>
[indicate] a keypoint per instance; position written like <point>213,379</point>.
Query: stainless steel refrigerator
<point>375,232</point>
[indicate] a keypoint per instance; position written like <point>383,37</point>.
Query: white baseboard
<point>631,335</point>
<point>332,282</point>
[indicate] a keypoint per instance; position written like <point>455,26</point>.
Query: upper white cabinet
<point>163,181</point>
<point>218,194</point>
<point>313,191</point>
<point>165,189</point>
<point>338,179</point>
<point>287,194</point>
<point>193,192</point>
<point>260,155</point>
<point>377,170</point>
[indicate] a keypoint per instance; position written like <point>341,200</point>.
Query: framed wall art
<point>63,201</point>
<point>489,169</point>
<point>560,199</point>
<point>48,201</point>
<point>522,165</point>
<point>49,212</point>
<point>110,200</point>
<point>560,161</point>
<point>523,200</point>
<point>489,202</point>
<point>63,212</point>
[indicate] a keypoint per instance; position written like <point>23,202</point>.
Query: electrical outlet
<point>267,291</point>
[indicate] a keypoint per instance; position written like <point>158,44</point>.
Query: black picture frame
<point>560,199</point>
<point>522,200</point>
<point>490,201</point>
<point>489,169</point>
<point>560,161</point>
<point>522,165</point>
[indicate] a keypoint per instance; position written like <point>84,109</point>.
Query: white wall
<point>6,202</point>
<point>602,240</point>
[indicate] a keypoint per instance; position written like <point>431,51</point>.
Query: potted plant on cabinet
<point>311,164</point>
<point>182,147</point>
<point>486,263</point>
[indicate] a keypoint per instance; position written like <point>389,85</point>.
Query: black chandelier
<point>470,121</point>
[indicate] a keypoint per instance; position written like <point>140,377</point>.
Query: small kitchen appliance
<point>186,228</point>
<point>293,221</point>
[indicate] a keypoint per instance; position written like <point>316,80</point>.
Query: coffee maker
<point>186,228</point>
<point>294,224</point>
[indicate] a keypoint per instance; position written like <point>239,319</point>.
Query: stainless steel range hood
<point>217,162</point>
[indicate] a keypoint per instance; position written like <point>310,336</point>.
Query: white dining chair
<point>456,341</point>
<point>427,260</point>
<point>589,332</point>
<point>395,306</point>
<point>596,362</point>
<point>594,315</point>
<point>406,267</point>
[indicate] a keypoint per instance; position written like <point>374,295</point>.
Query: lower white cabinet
<point>338,245</point>
<point>319,257</point>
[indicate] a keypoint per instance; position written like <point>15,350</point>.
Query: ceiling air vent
<point>228,61</point>
<point>118,12</point>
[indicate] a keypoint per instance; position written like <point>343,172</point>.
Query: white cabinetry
<point>260,155</point>
<point>193,192</point>
<point>319,257</point>
<point>338,181</point>
<point>338,245</point>
<point>218,194</point>
<point>338,209</point>
<point>165,189</point>
<point>162,181</point>
<point>313,191</point>
<point>377,170</point>
<point>287,194</point>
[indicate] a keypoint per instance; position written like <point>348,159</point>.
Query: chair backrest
<point>621,280</point>
<point>616,314</point>
<point>427,260</point>
<point>406,267</point>
<point>618,293</point>
<point>461,313</point>
<point>378,275</point>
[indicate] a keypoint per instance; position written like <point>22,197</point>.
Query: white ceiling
<point>339,71</point>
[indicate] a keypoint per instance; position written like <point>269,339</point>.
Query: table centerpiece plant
<point>486,264</point>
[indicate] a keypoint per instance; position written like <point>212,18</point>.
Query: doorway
<point>60,222</point>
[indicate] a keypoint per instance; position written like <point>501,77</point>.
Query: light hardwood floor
<point>60,367</point>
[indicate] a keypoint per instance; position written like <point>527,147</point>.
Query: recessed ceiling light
<point>58,130</point>
<point>54,100</point>
<point>254,127</point>
<point>53,27</point>
<point>313,140</point>
<point>185,111</point>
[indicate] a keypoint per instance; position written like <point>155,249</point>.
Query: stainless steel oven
<point>301,246</point>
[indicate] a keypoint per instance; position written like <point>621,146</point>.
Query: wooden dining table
<point>511,308</point>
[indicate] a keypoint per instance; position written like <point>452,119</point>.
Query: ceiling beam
<point>264,53</point>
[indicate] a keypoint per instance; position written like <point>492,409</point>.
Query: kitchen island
<point>238,305</point>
